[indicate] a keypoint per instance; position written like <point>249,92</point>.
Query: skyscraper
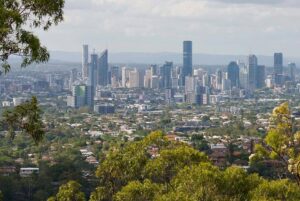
<point>252,71</point>
<point>93,66</point>
<point>166,75</point>
<point>219,78</point>
<point>102,70</point>
<point>154,69</point>
<point>260,77</point>
<point>85,61</point>
<point>233,74</point>
<point>292,71</point>
<point>73,77</point>
<point>91,86</point>
<point>187,60</point>
<point>244,76</point>
<point>278,68</point>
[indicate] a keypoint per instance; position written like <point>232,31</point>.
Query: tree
<point>69,192</point>
<point>276,190</point>
<point>195,183</point>
<point>124,164</point>
<point>282,143</point>
<point>237,184</point>
<point>170,161</point>
<point>17,17</point>
<point>136,190</point>
<point>25,117</point>
<point>199,142</point>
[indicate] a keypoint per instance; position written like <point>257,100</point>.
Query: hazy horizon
<point>215,26</point>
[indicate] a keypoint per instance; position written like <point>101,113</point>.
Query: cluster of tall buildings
<point>184,83</point>
<point>253,76</point>
<point>94,73</point>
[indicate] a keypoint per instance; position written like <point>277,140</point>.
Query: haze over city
<point>215,26</point>
<point>149,100</point>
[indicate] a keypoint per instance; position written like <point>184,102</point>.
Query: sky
<point>215,26</point>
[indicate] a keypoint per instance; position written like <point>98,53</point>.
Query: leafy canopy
<point>25,117</point>
<point>17,19</point>
<point>282,142</point>
<point>69,192</point>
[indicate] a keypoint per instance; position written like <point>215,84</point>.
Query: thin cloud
<point>218,26</point>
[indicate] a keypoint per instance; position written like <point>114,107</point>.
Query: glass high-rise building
<point>93,66</point>
<point>292,71</point>
<point>278,68</point>
<point>102,70</point>
<point>166,75</point>
<point>91,86</point>
<point>187,60</point>
<point>85,61</point>
<point>233,71</point>
<point>252,71</point>
<point>260,77</point>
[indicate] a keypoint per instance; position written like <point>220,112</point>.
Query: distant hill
<point>161,57</point>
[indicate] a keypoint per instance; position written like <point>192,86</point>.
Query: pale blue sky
<point>215,26</point>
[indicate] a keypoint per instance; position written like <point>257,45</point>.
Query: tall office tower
<point>187,60</point>
<point>190,84</point>
<point>193,93</point>
<point>174,73</point>
<point>133,79</point>
<point>270,81</point>
<point>73,77</point>
<point>103,69</point>
<point>292,71</point>
<point>155,82</point>
<point>219,79</point>
<point>175,83</point>
<point>115,72</point>
<point>260,77</point>
<point>141,75</point>
<point>125,76</point>
<point>85,61</point>
<point>213,81</point>
<point>252,71</point>
<point>92,80</point>
<point>226,84</point>
<point>244,76</point>
<point>148,78</point>
<point>79,96</point>
<point>154,70</point>
<point>205,80</point>
<point>93,66</point>
<point>233,71</point>
<point>166,75</point>
<point>115,76</point>
<point>278,69</point>
<point>136,78</point>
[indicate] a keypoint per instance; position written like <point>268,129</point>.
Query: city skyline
<point>215,27</point>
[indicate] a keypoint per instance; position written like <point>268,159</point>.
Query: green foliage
<point>198,182</point>
<point>136,190</point>
<point>276,190</point>
<point>69,192</point>
<point>199,143</point>
<point>124,164</point>
<point>16,16</point>
<point>237,184</point>
<point>25,117</point>
<point>176,172</point>
<point>170,161</point>
<point>281,142</point>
